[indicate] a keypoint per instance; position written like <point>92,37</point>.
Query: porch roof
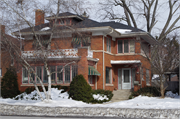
<point>125,62</point>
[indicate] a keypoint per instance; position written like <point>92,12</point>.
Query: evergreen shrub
<point>9,84</point>
<point>146,91</point>
<point>80,90</point>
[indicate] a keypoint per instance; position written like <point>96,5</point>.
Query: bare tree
<point>42,50</point>
<point>165,59</point>
<point>149,14</point>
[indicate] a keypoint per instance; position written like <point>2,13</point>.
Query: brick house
<point>110,58</point>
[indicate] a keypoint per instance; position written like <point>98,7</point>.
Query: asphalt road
<point>28,117</point>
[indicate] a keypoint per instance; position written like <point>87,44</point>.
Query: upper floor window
<point>108,43</point>
<point>126,46</point>
<point>145,49</point>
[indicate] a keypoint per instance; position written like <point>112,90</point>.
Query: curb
<point>22,110</point>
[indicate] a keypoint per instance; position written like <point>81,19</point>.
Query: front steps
<point>120,95</point>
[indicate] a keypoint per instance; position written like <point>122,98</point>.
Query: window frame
<point>123,47</point>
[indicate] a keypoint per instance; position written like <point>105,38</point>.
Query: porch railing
<point>61,53</point>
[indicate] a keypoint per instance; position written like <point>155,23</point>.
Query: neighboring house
<point>5,59</point>
<point>111,57</point>
<point>172,81</point>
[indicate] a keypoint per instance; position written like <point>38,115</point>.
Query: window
<point>108,75</point>
<point>126,46</point>
<point>25,76</point>
<point>59,74</point>
<point>33,76</point>
<point>53,74</point>
<point>90,79</point>
<point>132,46</point>
<point>145,49</point>
<point>67,74</point>
<point>45,76</point>
<point>108,43</point>
<point>120,46</point>
<point>39,73</point>
<point>74,71</point>
<point>147,77</point>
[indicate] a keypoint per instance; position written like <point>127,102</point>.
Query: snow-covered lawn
<point>61,100</point>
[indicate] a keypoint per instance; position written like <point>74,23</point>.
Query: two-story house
<point>110,55</point>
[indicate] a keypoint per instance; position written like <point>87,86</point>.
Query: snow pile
<point>61,100</point>
<point>145,102</point>
<point>100,97</point>
<point>45,29</point>
<point>123,30</point>
<point>55,94</point>
<point>172,95</point>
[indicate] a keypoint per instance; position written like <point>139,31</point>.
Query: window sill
<point>91,84</point>
<point>109,84</point>
<point>148,85</point>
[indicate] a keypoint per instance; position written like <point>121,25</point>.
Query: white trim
<point>124,61</point>
<point>109,84</point>
<point>129,77</point>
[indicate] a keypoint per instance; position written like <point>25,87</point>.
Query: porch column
<point>83,63</point>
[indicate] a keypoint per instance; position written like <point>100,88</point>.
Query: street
<point>36,117</point>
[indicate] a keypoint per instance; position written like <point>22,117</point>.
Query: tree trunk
<point>162,89</point>
<point>49,84</point>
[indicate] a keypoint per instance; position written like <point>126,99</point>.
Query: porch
<point>128,73</point>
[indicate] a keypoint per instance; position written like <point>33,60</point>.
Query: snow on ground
<point>99,97</point>
<point>61,100</point>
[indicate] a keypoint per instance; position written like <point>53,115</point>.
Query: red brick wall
<point>39,17</point>
<point>83,63</point>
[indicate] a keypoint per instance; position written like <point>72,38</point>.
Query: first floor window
<point>53,74</point>
<point>67,74</point>
<point>25,76</point>
<point>108,75</point>
<point>39,73</point>
<point>59,74</point>
<point>147,77</point>
<point>45,76</point>
<point>74,71</point>
<point>32,78</point>
<point>90,79</point>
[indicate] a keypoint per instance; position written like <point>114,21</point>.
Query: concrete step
<point>120,95</point>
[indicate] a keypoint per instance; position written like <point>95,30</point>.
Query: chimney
<point>2,28</point>
<point>39,18</point>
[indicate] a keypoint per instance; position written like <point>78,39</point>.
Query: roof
<point>86,23</point>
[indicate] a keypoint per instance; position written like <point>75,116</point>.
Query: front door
<point>126,78</point>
